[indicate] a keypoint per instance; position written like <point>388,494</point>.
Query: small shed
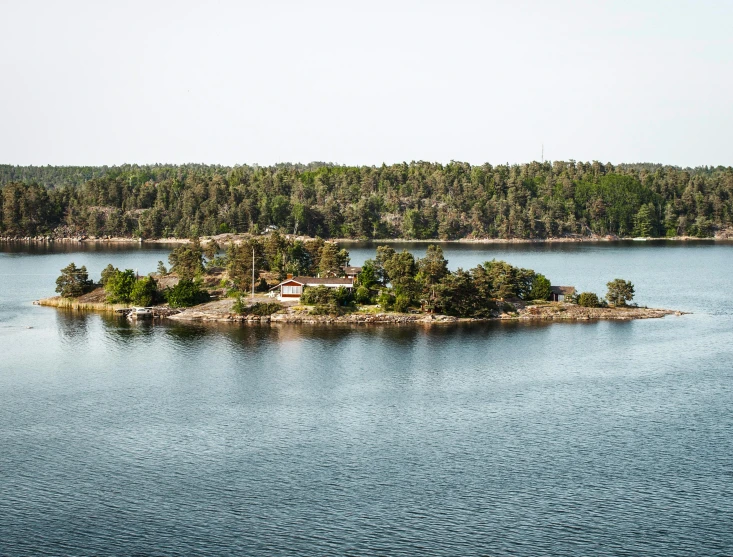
<point>561,293</point>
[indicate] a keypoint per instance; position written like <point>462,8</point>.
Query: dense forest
<point>419,200</point>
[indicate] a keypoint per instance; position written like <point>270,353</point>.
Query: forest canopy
<point>418,200</point>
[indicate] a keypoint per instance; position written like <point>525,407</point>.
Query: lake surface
<point>501,439</point>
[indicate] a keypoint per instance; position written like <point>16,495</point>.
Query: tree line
<point>419,200</point>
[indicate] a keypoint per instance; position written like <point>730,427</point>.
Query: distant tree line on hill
<point>419,200</point>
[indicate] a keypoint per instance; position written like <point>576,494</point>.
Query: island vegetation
<point>419,200</point>
<point>219,279</point>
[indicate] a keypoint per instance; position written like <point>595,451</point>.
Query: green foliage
<point>328,301</point>
<point>402,303</point>
<point>499,279</point>
<point>73,281</point>
<point>433,267</point>
<point>239,263</point>
<point>417,200</point>
<point>386,299</point>
<point>161,270</point>
<point>262,286</point>
<point>589,300</point>
<point>459,295</point>
<point>258,308</point>
<point>363,295</point>
<point>187,260</point>
<point>322,295</point>
<point>329,309</point>
<point>400,269</point>
<point>540,289</point>
<point>420,225</point>
<point>185,294</point>
<point>107,272</point>
<point>619,292</point>
<point>332,260</point>
<point>119,286</point>
<point>367,278</point>
<point>261,308</point>
<point>645,223</point>
<point>239,307</point>
<point>431,270</point>
<point>384,254</point>
<point>144,292</point>
<point>211,250</point>
<point>463,293</point>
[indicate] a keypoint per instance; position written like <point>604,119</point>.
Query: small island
<point>283,279</point>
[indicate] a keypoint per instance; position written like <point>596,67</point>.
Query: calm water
<point>561,439</point>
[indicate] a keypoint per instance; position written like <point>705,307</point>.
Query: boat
<point>139,312</point>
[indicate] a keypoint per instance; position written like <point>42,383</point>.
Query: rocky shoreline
<point>221,311</point>
<point>725,235</point>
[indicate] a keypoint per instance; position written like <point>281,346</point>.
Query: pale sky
<point>104,82</point>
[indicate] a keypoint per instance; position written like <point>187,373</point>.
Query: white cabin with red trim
<point>292,287</point>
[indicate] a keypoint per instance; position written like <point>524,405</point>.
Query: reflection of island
<point>392,288</point>
<point>73,325</point>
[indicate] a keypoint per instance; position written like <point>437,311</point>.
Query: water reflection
<point>73,325</point>
<point>124,331</point>
<point>27,248</point>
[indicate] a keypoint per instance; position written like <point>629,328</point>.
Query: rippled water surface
<point>502,439</point>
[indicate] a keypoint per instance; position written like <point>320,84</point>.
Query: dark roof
<point>352,270</point>
<point>564,290</point>
<point>314,281</point>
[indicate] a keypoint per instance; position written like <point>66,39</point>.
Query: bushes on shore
<point>144,292</point>
<point>186,293</point>
<point>589,300</point>
<point>119,285</point>
<point>328,301</point>
<point>258,308</point>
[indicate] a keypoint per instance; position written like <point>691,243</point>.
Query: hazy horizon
<point>377,165</point>
<point>230,83</point>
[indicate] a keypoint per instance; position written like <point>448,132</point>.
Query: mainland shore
<point>223,239</point>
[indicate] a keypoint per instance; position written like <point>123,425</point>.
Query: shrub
<point>589,300</point>
<point>386,299</point>
<point>119,285</point>
<point>144,292</point>
<point>316,295</point>
<point>328,309</point>
<point>363,295</point>
<point>506,307</point>
<point>185,294</point>
<point>323,296</point>
<point>259,308</point>
<point>262,286</point>
<point>401,303</point>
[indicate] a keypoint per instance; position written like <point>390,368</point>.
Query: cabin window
<point>292,290</point>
